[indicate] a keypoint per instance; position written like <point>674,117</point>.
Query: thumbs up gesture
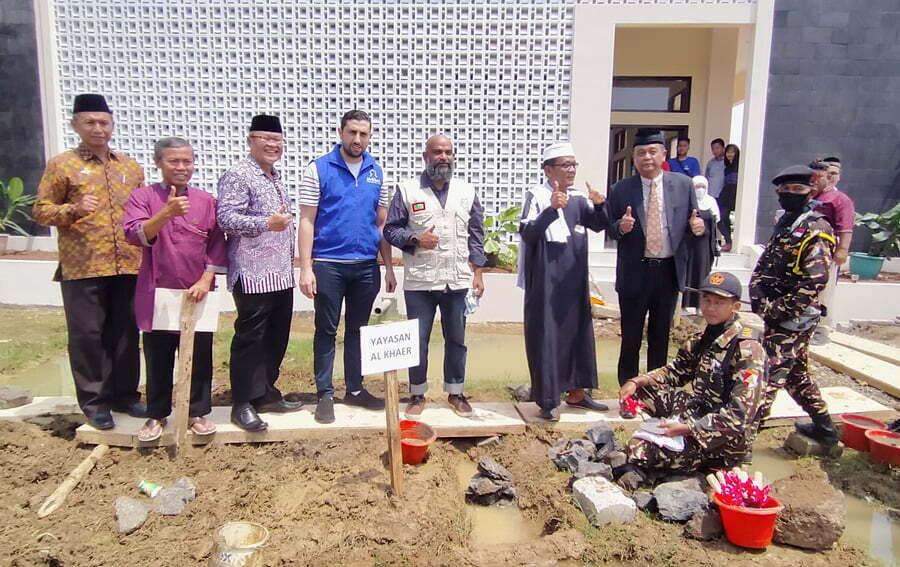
<point>696,224</point>
<point>280,220</point>
<point>558,199</point>
<point>596,197</point>
<point>626,223</point>
<point>176,206</point>
<point>428,239</point>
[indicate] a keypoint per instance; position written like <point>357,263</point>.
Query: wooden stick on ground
<point>185,368</point>
<point>59,495</point>
<point>391,405</point>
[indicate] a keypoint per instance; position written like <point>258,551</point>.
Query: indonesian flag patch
<point>750,377</point>
<point>418,206</point>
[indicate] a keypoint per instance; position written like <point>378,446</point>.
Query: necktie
<point>654,222</point>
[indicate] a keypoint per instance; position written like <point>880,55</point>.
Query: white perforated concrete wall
<point>494,77</point>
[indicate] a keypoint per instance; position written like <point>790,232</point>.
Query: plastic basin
<point>749,527</point>
<point>884,446</point>
<point>865,266</point>
<point>415,437</point>
<point>854,430</point>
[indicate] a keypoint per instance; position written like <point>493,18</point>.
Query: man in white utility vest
<point>438,225</point>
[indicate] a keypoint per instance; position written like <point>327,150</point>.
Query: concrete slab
<point>577,419</point>
<point>866,346</point>
<point>489,419</point>
<point>42,405</point>
<point>873,371</point>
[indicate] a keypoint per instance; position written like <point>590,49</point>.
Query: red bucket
<point>749,527</point>
<point>415,437</point>
<point>884,446</point>
<point>854,430</point>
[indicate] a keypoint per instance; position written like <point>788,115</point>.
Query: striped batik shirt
<point>261,259</point>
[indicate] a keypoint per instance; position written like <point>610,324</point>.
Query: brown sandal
<point>152,430</point>
<point>201,426</point>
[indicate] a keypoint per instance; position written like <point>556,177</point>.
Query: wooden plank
<point>392,404</point>
<point>840,400</point>
<point>869,347</point>
<point>489,419</point>
<point>873,371</point>
<point>185,369</point>
<point>577,419</point>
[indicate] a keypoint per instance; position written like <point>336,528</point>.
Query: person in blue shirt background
<point>681,163</point>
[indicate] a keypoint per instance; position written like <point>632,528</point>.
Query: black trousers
<point>658,298</point>
<point>159,356</point>
<point>261,333</point>
<point>103,341</point>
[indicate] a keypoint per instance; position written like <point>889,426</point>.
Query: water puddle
<point>492,525</point>
<point>52,378</point>
<point>868,526</point>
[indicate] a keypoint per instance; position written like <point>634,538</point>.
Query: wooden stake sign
<point>387,348</point>
<point>185,369</point>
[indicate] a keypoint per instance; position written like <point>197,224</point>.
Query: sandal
<point>152,430</point>
<point>201,426</point>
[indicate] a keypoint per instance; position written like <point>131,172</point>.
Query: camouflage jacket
<point>793,268</point>
<point>720,406</point>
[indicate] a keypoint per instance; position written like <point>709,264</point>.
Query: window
<point>651,94</point>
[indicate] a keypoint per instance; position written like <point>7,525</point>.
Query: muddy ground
<point>327,502</point>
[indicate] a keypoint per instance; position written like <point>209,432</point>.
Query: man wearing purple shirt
<point>254,211</point>
<point>183,248</point>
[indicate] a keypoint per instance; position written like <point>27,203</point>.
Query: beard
<point>439,171</point>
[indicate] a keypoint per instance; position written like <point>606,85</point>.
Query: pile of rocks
<point>492,484</point>
<point>131,513</point>
<point>596,455</point>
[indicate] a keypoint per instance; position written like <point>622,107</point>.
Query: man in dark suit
<point>653,215</point>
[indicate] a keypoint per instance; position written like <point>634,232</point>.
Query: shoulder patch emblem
<point>372,177</point>
<point>418,206</point>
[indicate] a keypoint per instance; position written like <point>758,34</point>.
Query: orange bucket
<point>854,430</point>
<point>415,437</point>
<point>884,446</point>
<point>749,527</point>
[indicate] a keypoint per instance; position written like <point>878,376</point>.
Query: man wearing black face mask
<point>784,290</point>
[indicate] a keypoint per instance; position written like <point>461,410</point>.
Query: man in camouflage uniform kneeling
<point>784,290</point>
<point>718,417</point>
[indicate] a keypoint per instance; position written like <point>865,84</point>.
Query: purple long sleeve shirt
<point>185,247</point>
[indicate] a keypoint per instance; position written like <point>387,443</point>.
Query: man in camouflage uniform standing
<point>784,290</point>
<point>726,368</point>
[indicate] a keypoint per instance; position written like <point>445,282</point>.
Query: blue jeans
<point>358,284</point>
<point>421,305</point>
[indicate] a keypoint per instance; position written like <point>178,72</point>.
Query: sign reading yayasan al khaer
<point>390,346</point>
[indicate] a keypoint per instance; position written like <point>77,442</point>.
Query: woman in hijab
<point>700,258</point>
<point>728,196</point>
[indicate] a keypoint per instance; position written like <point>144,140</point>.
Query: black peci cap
<point>794,174</point>
<point>265,123</point>
<point>90,103</point>
<point>646,136</point>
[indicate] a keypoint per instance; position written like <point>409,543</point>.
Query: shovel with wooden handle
<point>59,495</point>
<point>182,395</point>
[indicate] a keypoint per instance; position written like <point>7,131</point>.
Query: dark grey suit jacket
<point>680,201</point>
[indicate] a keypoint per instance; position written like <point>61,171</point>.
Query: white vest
<point>448,263</point>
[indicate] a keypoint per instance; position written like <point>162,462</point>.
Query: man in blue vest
<point>343,207</point>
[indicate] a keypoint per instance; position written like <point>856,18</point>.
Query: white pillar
<point>754,126</point>
<point>591,98</point>
<point>45,31</point>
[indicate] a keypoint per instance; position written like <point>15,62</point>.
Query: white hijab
<point>705,201</point>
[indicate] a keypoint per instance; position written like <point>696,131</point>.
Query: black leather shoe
<point>325,410</point>
<point>245,417</point>
<point>137,409</point>
<point>589,403</point>
<point>364,400</point>
<point>281,406</point>
<point>101,420</point>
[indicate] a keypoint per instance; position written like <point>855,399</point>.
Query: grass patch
<point>30,336</point>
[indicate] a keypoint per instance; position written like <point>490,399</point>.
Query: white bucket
<point>239,544</point>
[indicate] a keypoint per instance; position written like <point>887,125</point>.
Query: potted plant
<point>885,228</point>
<point>497,230</point>
<point>12,203</point>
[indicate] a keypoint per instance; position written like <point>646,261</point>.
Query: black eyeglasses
<point>565,165</point>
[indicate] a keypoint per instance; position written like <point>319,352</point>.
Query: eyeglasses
<point>565,165</point>
<point>268,140</point>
